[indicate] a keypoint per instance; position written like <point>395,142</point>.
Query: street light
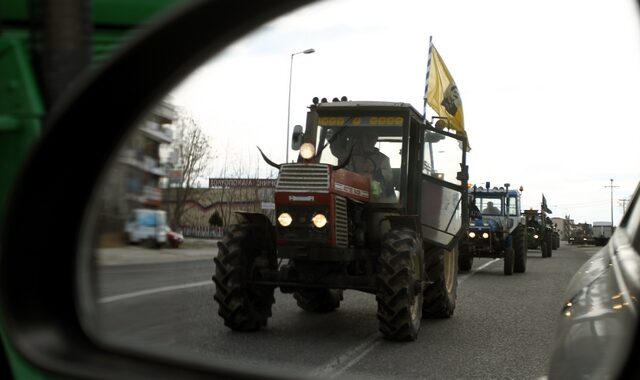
<point>308,51</point>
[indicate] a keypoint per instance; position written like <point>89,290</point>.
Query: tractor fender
<point>259,220</point>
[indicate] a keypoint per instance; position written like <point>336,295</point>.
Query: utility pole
<point>624,205</point>
<point>611,187</point>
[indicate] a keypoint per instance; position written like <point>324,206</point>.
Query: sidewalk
<point>191,249</point>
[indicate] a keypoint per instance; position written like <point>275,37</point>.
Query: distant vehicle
<point>147,226</point>
<point>581,233</point>
<point>175,239</point>
<point>602,231</point>
<point>498,231</point>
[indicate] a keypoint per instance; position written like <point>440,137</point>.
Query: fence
<point>202,232</point>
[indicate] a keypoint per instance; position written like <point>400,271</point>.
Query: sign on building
<point>241,182</point>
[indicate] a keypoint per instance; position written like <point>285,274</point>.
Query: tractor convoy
<point>378,202</point>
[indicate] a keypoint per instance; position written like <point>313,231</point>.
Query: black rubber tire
<point>441,290</point>
<point>545,247</point>
<point>465,259</point>
<point>399,282</point>
<point>241,254</point>
<point>509,260</point>
<point>318,300</point>
<point>550,244</point>
<point>520,248</point>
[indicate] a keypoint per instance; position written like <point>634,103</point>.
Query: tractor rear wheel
<point>399,282</point>
<point>509,258</point>
<point>242,253</point>
<point>520,247</point>
<point>440,292</point>
<point>318,300</point>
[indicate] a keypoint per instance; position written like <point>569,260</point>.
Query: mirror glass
<point>538,80</point>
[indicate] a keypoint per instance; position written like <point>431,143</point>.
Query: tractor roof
<point>481,191</point>
<point>368,106</point>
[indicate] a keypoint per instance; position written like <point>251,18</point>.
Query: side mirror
<point>296,137</point>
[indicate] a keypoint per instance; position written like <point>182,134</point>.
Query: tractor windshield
<point>375,151</point>
<point>489,206</point>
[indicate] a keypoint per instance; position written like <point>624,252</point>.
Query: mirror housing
<point>297,137</point>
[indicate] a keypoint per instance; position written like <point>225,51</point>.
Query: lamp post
<point>308,51</point>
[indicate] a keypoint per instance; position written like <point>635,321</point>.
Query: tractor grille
<point>342,232</point>
<point>303,178</point>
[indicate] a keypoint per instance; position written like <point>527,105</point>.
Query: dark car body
<point>599,315</point>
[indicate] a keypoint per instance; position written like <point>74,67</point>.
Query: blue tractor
<point>496,229</point>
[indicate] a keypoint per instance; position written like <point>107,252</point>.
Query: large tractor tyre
<point>242,253</point>
<point>442,283</point>
<point>545,247</point>
<point>509,261</point>
<point>318,300</point>
<point>550,248</point>
<point>400,280</point>
<point>465,259</point>
<point>520,247</point>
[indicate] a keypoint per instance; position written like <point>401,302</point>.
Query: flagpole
<point>424,104</point>
<point>426,85</point>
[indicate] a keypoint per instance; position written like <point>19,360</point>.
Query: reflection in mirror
<point>167,210</point>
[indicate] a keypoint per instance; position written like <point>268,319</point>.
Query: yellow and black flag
<point>441,92</point>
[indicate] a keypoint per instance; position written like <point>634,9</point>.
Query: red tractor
<point>384,219</point>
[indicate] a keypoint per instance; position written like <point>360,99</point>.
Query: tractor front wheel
<point>242,253</point>
<point>509,258</point>
<point>520,248</point>
<point>399,281</point>
<point>465,259</point>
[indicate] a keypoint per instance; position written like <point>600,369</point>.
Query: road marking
<point>460,281</point>
<point>342,363</point>
<point>153,291</point>
<point>347,360</point>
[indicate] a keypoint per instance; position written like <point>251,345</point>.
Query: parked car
<point>175,239</point>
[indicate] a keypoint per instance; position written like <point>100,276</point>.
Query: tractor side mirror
<point>297,137</point>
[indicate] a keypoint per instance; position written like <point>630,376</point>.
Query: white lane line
<point>153,291</point>
<point>460,281</point>
<point>342,363</point>
<point>337,366</point>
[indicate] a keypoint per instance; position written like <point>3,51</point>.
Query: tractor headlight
<point>319,220</point>
<point>285,219</point>
<point>472,234</point>
<point>485,235</point>
<point>535,236</point>
<point>307,151</point>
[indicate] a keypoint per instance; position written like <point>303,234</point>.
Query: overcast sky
<point>550,88</point>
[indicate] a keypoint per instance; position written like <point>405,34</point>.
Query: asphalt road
<point>503,326</point>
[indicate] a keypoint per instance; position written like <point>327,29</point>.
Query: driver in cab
<point>366,158</point>
<point>491,209</point>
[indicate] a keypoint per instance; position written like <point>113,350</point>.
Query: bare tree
<point>193,153</point>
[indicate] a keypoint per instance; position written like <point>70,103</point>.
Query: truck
<point>497,231</point>
<point>389,227</point>
<point>602,231</point>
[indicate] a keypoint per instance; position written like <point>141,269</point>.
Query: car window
<point>529,76</point>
